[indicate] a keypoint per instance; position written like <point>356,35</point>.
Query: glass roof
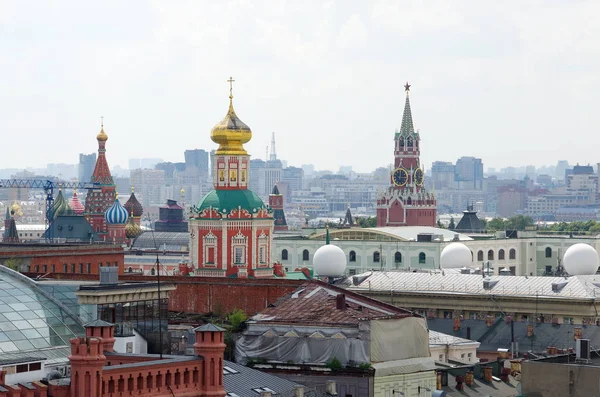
<point>169,241</point>
<point>29,320</point>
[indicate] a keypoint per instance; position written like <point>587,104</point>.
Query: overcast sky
<point>512,82</point>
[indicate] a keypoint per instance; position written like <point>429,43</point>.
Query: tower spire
<point>273,156</point>
<point>407,127</point>
<point>230,81</point>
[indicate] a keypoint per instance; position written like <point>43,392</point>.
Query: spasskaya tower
<point>406,202</point>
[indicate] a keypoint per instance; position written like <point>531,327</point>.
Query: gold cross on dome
<point>102,121</point>
<point>230,81</point>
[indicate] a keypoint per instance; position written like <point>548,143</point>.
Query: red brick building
<point>231,228</point>
<point>406,202</point>
<point>55,259</point>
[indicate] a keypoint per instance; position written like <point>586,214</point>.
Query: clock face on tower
<point>419,177</point>
<point>400,177</point>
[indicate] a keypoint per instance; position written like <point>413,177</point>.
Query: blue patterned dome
<point>116,214</point>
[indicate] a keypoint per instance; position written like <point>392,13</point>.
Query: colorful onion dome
<point>231,133</point>
<point>132,230</point>
<point>76,205</point>
<point>60,207</point>
<point>133,206</point>
<point>116,214</point>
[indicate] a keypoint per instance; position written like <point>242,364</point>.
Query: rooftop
<point>316,303</point>
<point>575,287</point>
<point>404,233</point>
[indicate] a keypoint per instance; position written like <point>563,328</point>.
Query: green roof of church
<point>227,200</point>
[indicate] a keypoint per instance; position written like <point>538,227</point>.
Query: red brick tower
<point>87,360</point>
<point>99,199</point>
<point>406,202</point>
<point>105,331</point>
<point>210,344</point>
<point>276,204</point>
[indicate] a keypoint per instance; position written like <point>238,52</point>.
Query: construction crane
<point>47,185</point>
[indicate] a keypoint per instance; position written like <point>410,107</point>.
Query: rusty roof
<point>315,303</point>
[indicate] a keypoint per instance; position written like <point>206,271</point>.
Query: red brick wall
<point>214,294</point>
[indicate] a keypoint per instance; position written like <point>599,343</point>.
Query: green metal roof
<point>227,200</point>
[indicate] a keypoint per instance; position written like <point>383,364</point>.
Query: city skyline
<point>502,86</point>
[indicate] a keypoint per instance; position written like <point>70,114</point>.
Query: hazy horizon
<point>511,83</point>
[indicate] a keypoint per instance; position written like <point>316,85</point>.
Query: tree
<point>496,224</point>
<point>519,222</point>
<point>451,225</point>
<point>369,221</point>
<point>440,225</point>
<point>236,318</point>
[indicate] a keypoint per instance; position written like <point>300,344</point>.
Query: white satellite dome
<point>329,261</point>
<point>580,259</point>
<point>455,256</point>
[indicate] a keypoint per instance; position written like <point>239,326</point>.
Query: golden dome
<point>102,135</point>
<point>231,133</point>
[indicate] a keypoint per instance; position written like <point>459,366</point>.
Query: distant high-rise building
<point>87,162</point>
<point>309,169</point>
<point>144,163</point>
<point>148,184</point>
<point>442,175</point>
<point>468,172</point>
<point>254,171</point>
<point>294,178</point>
<point>197,158</point>
<point>561,167</point>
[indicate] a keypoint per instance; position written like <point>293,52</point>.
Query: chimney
<point>330,386</point>
<point>265,394</point>
<point>577,333</point>
<point>299,391</point>
<point>340,302</point>
<point>2,378</point>
<point>456,324</point>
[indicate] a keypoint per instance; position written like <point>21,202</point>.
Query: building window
<point>398,257</point>
<point>305,255</point>
<point>441,358</point>
<point>238,255</point>
<point>53,267</point>
<point>352,272</point>
<point>89,268</point>
<point>261,255</point>
<point>422,258</point>
<point>548,252</point>
<point>263,242</point>
<point>284,255</point>
<point>72,268</point>
<point>352,256</point>
<point>568,320</point>
<point>45,268</point>
<point>37,268</point>
<point>501,255</point>
<point>512,254</point>
<point>65,268</point>
<point>81,268</point>
<point>129,269</point>
<point>480,256</point>
<point>210,246</point>
<point>490,255</point>
<point>153,272</point>
<point>376,257</point>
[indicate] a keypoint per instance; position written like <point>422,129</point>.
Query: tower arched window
<point>548,252</point>
<point>284,255</point>
<point>152,272</point>
<point>398,257</point>
<point>422,258</point>
<point>409,141</point>
<point>409,201</point>
<point>501,255</point>
<point>305,255</point>
<point>479,256</point>
<point>512,254</point>
<point>352,256</point>
<point>376,256</point>
<point>490,255</point>
<point>401,141</point>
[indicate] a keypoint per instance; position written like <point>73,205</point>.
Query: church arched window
<point>284,255</point>
<point>548,252</point>
<point>305,255</point>
<point>352,256</point>
<point>409,141</point>
<point>501,255</point>
<point>490,255</point>
<point>422,258</point>
<point>376,257</point>
<point>401,141</point>
<point>480,256</point>
<point>398,257</point>
<point>512,254</point>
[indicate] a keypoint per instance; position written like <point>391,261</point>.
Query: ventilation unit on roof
<point>489,284</point>
<point>557,287</point>
<point>582,349</point>
<point>425,237</point>
<point>109,275</point>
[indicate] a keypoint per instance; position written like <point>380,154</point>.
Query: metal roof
<point>577,287</point>
<point>438,338</point>
<point>403,233</point>
<point>241,381</point>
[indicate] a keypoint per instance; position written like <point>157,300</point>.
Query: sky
<point>512,82</point>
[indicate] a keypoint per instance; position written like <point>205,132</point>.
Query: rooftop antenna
<point>273,151</point>
<point>267,153</point>
<point>157,264</point>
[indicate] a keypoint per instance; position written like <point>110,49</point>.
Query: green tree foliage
<point>236,318</point>
<point>13,264</point>
<point>517,222</point>
<point>440,225</point>
<point>451,225</point>
<point>334,364</point>
<point>369,221</point>
<point>580,227</point>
